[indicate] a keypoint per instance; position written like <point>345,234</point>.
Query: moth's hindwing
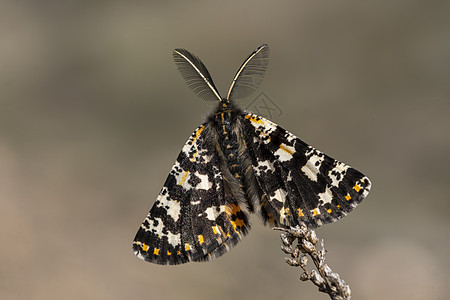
<point>300,183</point>
<point>194,217</point>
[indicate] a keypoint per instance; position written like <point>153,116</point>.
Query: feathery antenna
<point>251,73</point>
<point>196,75</point>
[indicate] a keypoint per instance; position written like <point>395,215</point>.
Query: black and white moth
<point>235,164</point>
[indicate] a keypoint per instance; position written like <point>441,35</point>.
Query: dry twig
<point>327,281</point>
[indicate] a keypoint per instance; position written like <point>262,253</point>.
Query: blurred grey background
<point>93,114</point>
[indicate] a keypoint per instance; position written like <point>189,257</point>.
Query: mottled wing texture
<point>195,217</point>
<point>300,183</point>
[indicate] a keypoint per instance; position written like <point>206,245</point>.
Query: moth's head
<point>225,101</point>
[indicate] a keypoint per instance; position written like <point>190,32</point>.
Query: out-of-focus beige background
<point>93,114</point>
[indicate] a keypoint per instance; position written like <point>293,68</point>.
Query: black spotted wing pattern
<point>300,183</point>
<point>193,218</point>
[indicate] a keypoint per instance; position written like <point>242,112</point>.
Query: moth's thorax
<point>225,119</point>
<point>227,124</point>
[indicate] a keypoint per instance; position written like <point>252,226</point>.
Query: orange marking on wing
<point>232,209</point>
<point>285,211</point>
<point>193,156</point>
<point>197,133</point>
<point>201,240</point>
<point>254,119</point>
<point>357,188</point>
<point>234,225</point>
<point>239,222</point>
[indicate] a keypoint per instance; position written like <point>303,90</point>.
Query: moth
<point>235,164</point>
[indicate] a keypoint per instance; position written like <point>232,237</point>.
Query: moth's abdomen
<point>230,150</point>
<point>235,160</point>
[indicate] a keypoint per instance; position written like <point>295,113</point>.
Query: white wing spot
<point>280,195</point>
<point>312,166</point>
<point>338,171</point>
<point>285,152</point>
<point>326,196</point>
<point>174,206</point>
<point>204,184</point>
<point>212,212</point>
